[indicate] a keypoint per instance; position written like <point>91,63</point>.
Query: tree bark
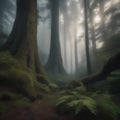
<point>55,62</point>
<point>22,42</point>
<point>89,69</point>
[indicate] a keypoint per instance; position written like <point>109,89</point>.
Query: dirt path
<point>38,111</point>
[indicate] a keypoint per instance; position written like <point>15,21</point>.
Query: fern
<point>90,104</point>
<point>87,102</point>
<point>94,102</point>
<point>77,102</point>
<point>106,104</point>
<point>63,100</point>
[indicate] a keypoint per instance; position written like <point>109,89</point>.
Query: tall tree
<point>65,45</point>
<point>71,50</point>
<point>22,42</point>
<point>92,31</point>
<point>89,69</point>
<point>76,48</point>
<point>55,63</point>
<point>102,15</point>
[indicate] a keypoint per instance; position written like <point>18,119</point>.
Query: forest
<point>60,60</point>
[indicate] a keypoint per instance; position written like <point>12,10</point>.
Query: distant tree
<point>102,15</point>
<point>55,62</point>
<point>93,39</point>
<point>63,10</point>
<point>91,20</point>
<point>22,42</point>
<point>3,38</point>
<point>89,69</point>
<point>76,49</point>
<point>65,44</point>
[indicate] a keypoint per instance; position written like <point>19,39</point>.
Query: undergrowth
<point>100,105</point>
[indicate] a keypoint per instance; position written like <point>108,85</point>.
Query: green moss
<point>7,96</point>
<point>7,61</point>
<point>42,79</point>
<point>42,87</point>
<point>10,100</point>
<point>53,87</point>
<point>15,75</point>
<point>22,103</point>
<point>18,79</point>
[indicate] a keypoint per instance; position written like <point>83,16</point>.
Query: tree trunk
<point>55,63</point>
<point>92,30</point>
<point>91,16</point>
<point>89,69</point>
<point>75,46</point>
<point>65,45</point>
<point>71,50</point>
<point>103,29</point>
<point>22,42</point>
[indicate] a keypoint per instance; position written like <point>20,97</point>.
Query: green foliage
<point>10,100</point>
<point>106,105</point>
<point>76,101</point>
<point>42,79</point>
<point>77,86</point>
<point>97,104</point>
<point>42,87</point>
<point>114,78</point>
<point>53,86</point>
<point>116,72</point>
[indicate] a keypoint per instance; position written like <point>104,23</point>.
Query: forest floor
<point>41,109</point>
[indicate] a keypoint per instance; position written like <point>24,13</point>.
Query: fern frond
<point>63,100</point>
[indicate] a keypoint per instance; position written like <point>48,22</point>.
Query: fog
<point>71,29</point>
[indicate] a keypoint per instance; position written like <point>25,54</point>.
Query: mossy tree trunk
<point>55,62</point>
<point>112,64</point>
<point>22,42</point>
